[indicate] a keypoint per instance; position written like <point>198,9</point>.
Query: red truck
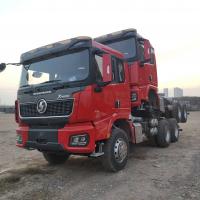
<point>94,98</point>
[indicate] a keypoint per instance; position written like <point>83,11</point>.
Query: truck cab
<point>140,56</point>
<point>79,96</point>
<point>71,94</point>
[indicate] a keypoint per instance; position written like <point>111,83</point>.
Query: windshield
<point>65,68</point>
<point>127,47</point>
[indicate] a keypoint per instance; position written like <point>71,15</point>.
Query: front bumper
<point>57,139</point>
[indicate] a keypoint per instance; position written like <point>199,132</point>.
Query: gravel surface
<point>151,173</point>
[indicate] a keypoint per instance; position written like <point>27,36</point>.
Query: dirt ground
<point>151,173</point>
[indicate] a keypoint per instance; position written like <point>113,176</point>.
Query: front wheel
<point>116,151</point>
<point>55,158</point>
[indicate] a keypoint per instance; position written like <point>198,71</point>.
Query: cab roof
<point>65,45</point>
<point>118,35</point>
<point>57,47</point>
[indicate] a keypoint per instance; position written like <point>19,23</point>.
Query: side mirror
<point>107,68</point>
<point>147,50</point>
<point>2,67</point>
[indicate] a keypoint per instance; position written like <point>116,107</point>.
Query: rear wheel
<point>174,129</point>
<point>116,151</point>
<point>163,137</point>
<point>176,112</point>
<point>55,158</point>
<point>183,114</point>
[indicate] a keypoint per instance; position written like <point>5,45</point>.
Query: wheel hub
<point>168,136</point>
<point>179,113</point>
<point>176,132</point>
<point>120,150</point>
<point>185,114</point>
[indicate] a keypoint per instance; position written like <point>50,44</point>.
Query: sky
<point>173,28</point>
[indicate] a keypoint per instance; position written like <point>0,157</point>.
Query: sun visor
<point>78,42</point>
<point>116,35</point>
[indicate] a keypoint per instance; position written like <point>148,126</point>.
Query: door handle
<point>150,77</point>
<point>117,103</point>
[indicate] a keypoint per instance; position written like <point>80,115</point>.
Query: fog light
<point>79,140</point>
<point>19,139</point>
<point>134,96</point>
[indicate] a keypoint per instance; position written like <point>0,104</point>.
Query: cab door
<point>151,68</point>
<point>112,100</point>
<point>121,86</point>
<point>103,96</point>
<point>147,71</point>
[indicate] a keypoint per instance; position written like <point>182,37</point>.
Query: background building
<point>166,92</point>
<point>178,92</point>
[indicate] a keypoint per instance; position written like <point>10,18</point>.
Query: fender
<point>144,91</point>
<point>143,94</point>
<point>103,127</point>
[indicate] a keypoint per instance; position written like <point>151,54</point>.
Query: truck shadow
<point>140,151</point>
<point>75,165</point>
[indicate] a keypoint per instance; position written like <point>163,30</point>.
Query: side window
<point>114,69</point>
<point>118,70</point>
<point>141,50</point>
<point>152,61</point>
<point>99,66</point>
<point>120,67</point>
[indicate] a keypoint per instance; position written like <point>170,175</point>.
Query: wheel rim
<point>185,114</point>
<point>176,132</point>
<point>167,138</point>
<point>179,113</point>
<point>120,150</point>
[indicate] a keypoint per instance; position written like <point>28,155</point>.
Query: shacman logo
<point>41,106</point>
<point>63,96</point>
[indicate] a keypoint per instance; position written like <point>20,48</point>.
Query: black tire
<point>163,137</point>
<point>112,160</point>
<point>55,158</point>
<point>174,129</point>
<point>176,112</point>
<point>183,114</point>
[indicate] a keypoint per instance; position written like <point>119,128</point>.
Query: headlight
<point>134,96</point>
<point>79,140</point>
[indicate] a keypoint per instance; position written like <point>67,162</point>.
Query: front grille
<point>54,108</point>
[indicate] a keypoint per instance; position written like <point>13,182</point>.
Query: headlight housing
<point>80,140</point>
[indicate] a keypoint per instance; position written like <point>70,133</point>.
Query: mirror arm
<point>102,84</point>
<point>3,65</point>
<point>16,64</point>
<point>144,61</point>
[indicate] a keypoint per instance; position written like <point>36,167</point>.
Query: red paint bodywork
<point>142,80</point>
<point>95,113</point>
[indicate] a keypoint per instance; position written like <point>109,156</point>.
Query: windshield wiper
<point>52,81</point>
